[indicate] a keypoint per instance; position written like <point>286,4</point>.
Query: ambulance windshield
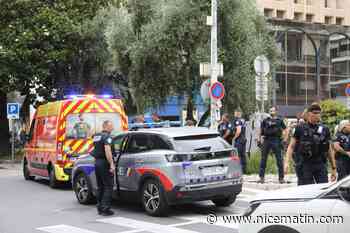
<point>85,125</point>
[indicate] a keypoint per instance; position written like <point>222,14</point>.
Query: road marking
<point>145,226</point>
<point>203,219</point>
<point>64,229</point>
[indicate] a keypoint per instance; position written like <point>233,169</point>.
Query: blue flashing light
<point>107,96</point>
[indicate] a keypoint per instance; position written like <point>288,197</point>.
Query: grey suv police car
<point>166,166</point>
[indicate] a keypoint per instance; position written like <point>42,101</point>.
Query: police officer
<point>301,119</point>
<point>271,132</point>
<point>312,139</point>
<point>239,138</point>
<point>104,168</point>
<point>225,128</point>
<point>342,149</point>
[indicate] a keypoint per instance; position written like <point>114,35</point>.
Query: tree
<point>44,43</point>
<point>160,54</point>
<point>333,112</point>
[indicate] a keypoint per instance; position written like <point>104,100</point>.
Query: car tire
<point>153,198</point>
<point>83,189</point>
<point>26,172</point>
<point>225,201</point>
<point>53,182</point>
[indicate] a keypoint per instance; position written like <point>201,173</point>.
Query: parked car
<point>160,167</point>
<point>319,208</point>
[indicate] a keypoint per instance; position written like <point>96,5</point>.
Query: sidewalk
<point>271,182</point>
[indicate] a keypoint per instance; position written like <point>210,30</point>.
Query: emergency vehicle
<point>61,131</point>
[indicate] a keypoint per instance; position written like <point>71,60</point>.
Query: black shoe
<point>261,181</point>
<point>282,181</point>
<point>106,213</point>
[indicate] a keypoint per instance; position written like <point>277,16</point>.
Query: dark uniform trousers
<point>298,168</point>
<point>343,167</point>
<point>241,149</point>
<point>274,144</point>
<point>104,184</point>
<point>314,172</point>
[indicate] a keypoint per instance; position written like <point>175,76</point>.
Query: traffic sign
<point>347,90</point>
<point>261,65</point>
<point>217,91</point>
<point>205,91</point>
<point>13,111</point>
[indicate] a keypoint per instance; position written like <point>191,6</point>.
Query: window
<point>138,143</point>
<point>200,143</point>
<point>117,143</point>
<point>309,18</point>
<point>268,13</point>
<point>339,21</point>
<point>340,4</point>
<point>84,125</point>
<point>31,131</point>
<point>326,4</point>
<point>280,14</point>
<point>298,16</point>
<point>158,143</point>
<point>328,19</point>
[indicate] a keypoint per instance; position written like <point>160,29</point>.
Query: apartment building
<point>302,29</point>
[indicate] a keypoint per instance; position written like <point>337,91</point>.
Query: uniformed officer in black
<point>104,168</point>
<point>225,128</point>
<point>313,140</point>
<point>342,149</point>
<point>271,132</point>
<point>239,139</point>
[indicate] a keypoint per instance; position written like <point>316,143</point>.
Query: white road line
<point>64,229</point>
<point>203,219</point>
<point>145,226</point>
<point>257,191</point>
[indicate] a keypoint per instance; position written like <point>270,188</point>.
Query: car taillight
<point>234,156</point>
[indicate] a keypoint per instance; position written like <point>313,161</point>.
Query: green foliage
<point>159,45</point>
<point>253,164</point>
<point>333,112</point>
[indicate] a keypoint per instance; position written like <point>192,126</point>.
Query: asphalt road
<point>33,207</point>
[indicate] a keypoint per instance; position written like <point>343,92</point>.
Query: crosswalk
<point>181,221</point>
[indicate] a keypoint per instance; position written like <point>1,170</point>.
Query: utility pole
<point>214,108</point>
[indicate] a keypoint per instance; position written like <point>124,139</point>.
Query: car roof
<point>173,132</point>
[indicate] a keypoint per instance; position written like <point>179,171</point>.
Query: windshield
<point>85,125</point>
<point>200,143</point>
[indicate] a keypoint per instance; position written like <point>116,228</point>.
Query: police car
<point>160,167</point>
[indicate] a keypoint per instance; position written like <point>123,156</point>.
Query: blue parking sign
<point>13,110</point>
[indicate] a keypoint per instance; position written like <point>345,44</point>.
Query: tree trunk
<point>4,127</point>
<point>189,115</point>
<point>25,113</point>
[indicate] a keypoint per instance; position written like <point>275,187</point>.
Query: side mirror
<point>344,191</point>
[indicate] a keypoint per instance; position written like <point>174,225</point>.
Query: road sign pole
<point>13,140</point>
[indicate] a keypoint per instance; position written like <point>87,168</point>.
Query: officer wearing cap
<point>271,132</point>
<point>342,149</point>
<point>239,138</point>
<point>225,128</point>
<point>104,168</point>
<point>313,140</point>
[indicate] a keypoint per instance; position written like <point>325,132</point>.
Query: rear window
<point>200,143</point>
<point>84,125</point>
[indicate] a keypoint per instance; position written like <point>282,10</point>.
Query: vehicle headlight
<point>252,207</point>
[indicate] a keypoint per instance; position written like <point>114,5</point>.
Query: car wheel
<point>225,201</point>
<point>83,190</point>
<point>53,182</point>
<point>153,198</point>
<point>26,172</point>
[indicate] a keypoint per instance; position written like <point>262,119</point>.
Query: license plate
<point>213,171</point>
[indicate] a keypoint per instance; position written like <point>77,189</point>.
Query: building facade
<point>314,50</point>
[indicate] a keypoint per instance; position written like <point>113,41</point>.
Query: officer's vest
<point>345,144</point>
<point>313,144</point>
<point>272,128</point>
<point>242,137</point>
<point>99,150</point>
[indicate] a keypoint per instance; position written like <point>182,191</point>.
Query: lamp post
<point>317,51</point>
